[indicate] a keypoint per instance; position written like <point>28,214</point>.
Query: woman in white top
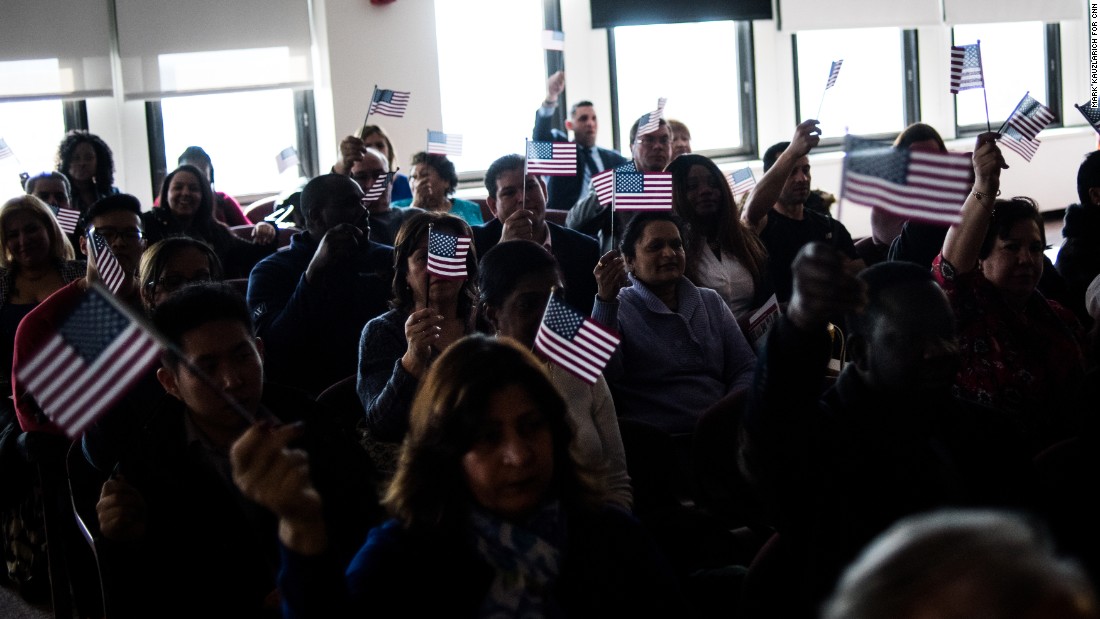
<point>722,252</point>
<point>515,283</point>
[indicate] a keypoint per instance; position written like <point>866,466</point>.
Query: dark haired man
<point>518,204</point>
<point>310,301</point>
<point>564,191</point>
<point>777,210</point>
<point>651,153</point>
<point>177,535</point>
<point>1079,256</point>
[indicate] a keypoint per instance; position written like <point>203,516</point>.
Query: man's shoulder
<point>611,157</point>
<point>571,237</point>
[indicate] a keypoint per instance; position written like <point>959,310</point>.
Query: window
<point>704,80</point>
<point>489,86</point>
<point>243,133</point>
<point>32,130</point>
<point>1014,61</point>
<point>872,56</point>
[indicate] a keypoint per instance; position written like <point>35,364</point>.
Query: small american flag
<point>604,186</point>
<point>68,218</point>
<point>1019,143</point>
<point>553,40</point>
<point>447,255</point>
<point>389,103</point>
<point>650,122</point>
<point>927,187</point>
<point>5,150</point>
<point>577,343</point>
<point>110,271</point>
<point>552,158</point>
<point>286,158</point>
<point>643,191</point>
<point>1030,117</point>
<point>834,72</point>
<point>1091,114</point>
<point>966,67</point>
<point>741,181</point>
<point>378,188</point>
<point>97,354</point>
<point>440,143</point>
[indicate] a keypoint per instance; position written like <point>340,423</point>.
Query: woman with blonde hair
<point>37,261</point>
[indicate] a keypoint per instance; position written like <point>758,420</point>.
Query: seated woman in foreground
<point>681,348</point>
<point>1021,353</point>
<point>491,515</point>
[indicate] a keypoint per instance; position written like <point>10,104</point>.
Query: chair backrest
<point>260,208</point>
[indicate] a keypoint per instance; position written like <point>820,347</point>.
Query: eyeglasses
<point>113,234</point>
<point>649,140</point>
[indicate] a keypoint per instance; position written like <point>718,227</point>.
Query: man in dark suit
<point>564,191</point>
<point>518,204</point>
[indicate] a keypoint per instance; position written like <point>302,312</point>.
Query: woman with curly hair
<point>434,181</point>
<point>88,163</point>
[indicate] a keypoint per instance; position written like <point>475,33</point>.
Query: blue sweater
<point>672,366</point>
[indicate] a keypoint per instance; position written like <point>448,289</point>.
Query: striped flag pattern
<point>604,186</point>
<point>447,255</point>
<point>741,181</point>
<point>650,122</point>
<point>577,343</point>
<point>643,191</point>
<point>110,271</point>
<point>966,67</point>
<point>5,150</point>
<point>923,186</point>
<point>440,143</point>
<point>286,158</point>
<point>98,353</point>
<point>551,158</point>
<point>378,188</point>
<point>389,103</point>
<point>1030,117</point>
<point>68,218</point>
<point>1020,144</point>
<point>834,72</point>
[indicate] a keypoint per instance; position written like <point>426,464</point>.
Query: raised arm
<point>806,137</point>
<point>964,240</point>
<point>543,131</point>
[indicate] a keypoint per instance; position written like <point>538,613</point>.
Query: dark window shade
<point>612,13</point>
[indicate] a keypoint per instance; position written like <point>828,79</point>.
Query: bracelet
<point>982,196</point>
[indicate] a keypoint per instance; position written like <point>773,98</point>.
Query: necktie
<point>589,162</point>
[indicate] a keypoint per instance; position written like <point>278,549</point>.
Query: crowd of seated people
<point>471,472</point>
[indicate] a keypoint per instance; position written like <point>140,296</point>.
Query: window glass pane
<point>1013,62</point>
<point>242,132</point>
<point>32,130</point>
<point>868,97</point>
<point>490,85</point>
<point>696,70</point>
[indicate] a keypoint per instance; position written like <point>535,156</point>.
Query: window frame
<point>1052,41</point>
<point>305,127</point>
<point>746,72</point>
<point>910,91</point>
